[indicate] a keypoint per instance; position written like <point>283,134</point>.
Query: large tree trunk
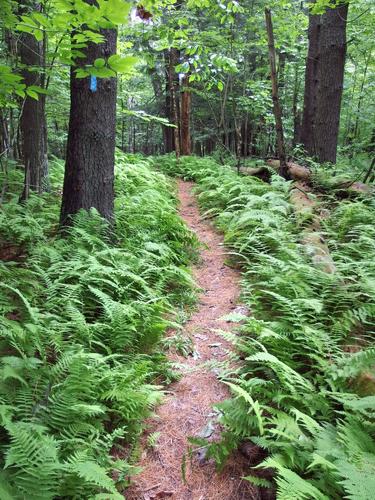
<point>332,53</point>
<point>33,126</point>
<point>185,117</point>
<point>311,81</point>
<point>324,82</point>
<point>275,97</point>
<point>89,169</point>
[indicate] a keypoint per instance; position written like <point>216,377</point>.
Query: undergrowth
<point>305,389</point>
<point>80,330</point>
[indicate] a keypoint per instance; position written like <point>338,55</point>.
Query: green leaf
<point>99,63</point>
<point>6,490</point>
<point>39,90</point>
<point>116,11</point>
<point>41,18</point>
<point>240,392</point>
<point>81,73</point>
<point>38,35</point>
<point>182,68</point>
<point>32,94</point>
<point>122,64</point>
<point>102,72</point>
<point>24,29</point>
<point>259,481</point>
<point>93,473</point>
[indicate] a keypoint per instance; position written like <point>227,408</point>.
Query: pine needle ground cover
<point>305,391</point>
<point>81,320</point>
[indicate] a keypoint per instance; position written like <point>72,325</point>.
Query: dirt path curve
<point>187,409</point>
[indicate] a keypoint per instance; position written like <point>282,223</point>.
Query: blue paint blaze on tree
<point>93,84</point>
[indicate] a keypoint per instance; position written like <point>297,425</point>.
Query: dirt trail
<point>187,409</point>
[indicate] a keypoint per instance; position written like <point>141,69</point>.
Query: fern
<point>80,328</point>
<point>301,393</point>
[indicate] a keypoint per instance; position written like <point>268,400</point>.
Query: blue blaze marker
<point>93,84</point>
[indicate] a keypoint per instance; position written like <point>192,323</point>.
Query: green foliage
<point>304,389</point>
<point>81,319</point>
<point>152,440</point>
<point>181,343</point>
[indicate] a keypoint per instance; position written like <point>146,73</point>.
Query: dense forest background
<point>268,107</point>
<point>204,67</point>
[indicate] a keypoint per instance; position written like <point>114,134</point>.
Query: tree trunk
<point>122,125</point>
<point>171,134</point>
<point>296,113</point>
<point>281,72</point>
<point>45,182</point>
<point>311,80</point>
<point>185,117</point>
<point>332,53</point>
<point>89,169</point>
<point>4,135</point>
<point>163,103</point>
<point>168,131</point>
<point>323,83</point>
<point>275,97</point>
<point>361,94</point>
<point>174,104</point>
<point>11,121</point>
<point>33,126</point>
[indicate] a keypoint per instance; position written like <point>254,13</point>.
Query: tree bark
<point>361,95</point>
<point>33,125</point>
<point>171,134</point>
<point>275,97</point>
<point>281,72</point>
<point>311,81</point>
<point>174,103</point>
<point>332,53</point>
<point>89,168</point>
<point>324,83</point>
<point>163,103</point>
<point>296,113</point>
<point>168,131</point>
<point>4,135</point>
<point>185,117</point>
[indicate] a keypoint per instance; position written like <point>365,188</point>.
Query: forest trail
<point>187,409</point>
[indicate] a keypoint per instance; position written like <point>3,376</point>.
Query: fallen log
<point>303,200</point>
<point>300,173</point>
<point>11,251</point>
<point>316,247</point>
<point>262,173</point>
<point>295,171</point>
<point>312,236</point>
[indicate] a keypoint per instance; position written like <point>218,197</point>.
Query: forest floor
<point>187,410</point>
